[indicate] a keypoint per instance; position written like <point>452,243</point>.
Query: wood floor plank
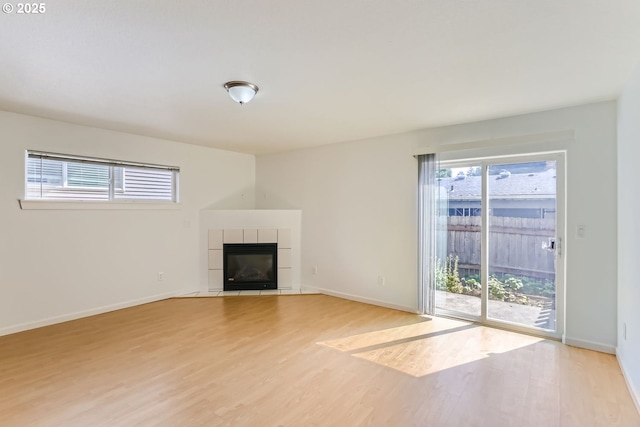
<point>309,360</point>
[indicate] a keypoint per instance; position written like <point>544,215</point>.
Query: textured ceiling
<point>328,71</point>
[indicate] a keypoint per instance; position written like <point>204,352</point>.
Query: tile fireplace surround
<point>218,227</point>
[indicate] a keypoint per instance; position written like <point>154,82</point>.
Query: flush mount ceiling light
<point>241,92</point>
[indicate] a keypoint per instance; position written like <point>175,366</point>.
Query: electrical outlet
<point>160,276</point>
<point>315,269</point>
<point>624,331</point>
<point>382,281</point>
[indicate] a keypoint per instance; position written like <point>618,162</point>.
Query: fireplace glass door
<point>250,266</point>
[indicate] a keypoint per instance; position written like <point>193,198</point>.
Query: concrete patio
<point>537,317</point>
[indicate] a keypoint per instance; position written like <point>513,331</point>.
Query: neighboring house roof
<point>513,185</point>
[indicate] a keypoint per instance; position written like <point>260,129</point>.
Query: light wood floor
<point>305,360</point>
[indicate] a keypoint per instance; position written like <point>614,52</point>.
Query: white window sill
<point>95,205</point>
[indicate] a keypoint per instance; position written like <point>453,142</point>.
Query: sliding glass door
<point>523,243</point>
<point>498,239</point>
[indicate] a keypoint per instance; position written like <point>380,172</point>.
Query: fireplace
<point>250,266</point>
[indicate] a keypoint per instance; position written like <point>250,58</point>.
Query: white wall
<point>358,202</point>
<point>58,264</point>
<point>628,350</point>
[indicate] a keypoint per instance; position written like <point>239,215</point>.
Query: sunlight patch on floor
<point>424,348</point>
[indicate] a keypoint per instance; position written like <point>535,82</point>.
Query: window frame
<point>111,202</point>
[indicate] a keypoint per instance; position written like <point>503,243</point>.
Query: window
<point>465,211</point>
<point>56,177</point>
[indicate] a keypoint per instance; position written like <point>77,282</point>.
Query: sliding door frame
<point>560,283</point>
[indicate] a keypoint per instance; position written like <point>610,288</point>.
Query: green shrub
<point>513,283</point>
<point>447,277</point>
<point>501,287</point>
<point>453,278</point>
<point>539,287</point>
<point>496,289</point>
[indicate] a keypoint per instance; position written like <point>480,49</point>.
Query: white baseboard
<point>86,313</point>
<point>635,394</point>
<point>589,345</point>
<point>366,300</point>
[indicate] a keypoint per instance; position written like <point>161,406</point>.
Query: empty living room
<point>288,213</point>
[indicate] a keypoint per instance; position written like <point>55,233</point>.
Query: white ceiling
<point>328,70</point>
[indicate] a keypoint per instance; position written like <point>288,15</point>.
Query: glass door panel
<point>458,242</point>
<point>522,244</point>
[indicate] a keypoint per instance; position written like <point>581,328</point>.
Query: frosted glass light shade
<point>241,92</point>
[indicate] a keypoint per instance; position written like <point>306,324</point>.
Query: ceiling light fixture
<point>241,92</point>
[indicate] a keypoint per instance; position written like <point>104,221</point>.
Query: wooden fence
<point>515,245</point>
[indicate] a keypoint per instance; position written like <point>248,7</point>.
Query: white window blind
<point>51,176</point>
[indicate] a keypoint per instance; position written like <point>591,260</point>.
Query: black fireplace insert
<point>250,266</point>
